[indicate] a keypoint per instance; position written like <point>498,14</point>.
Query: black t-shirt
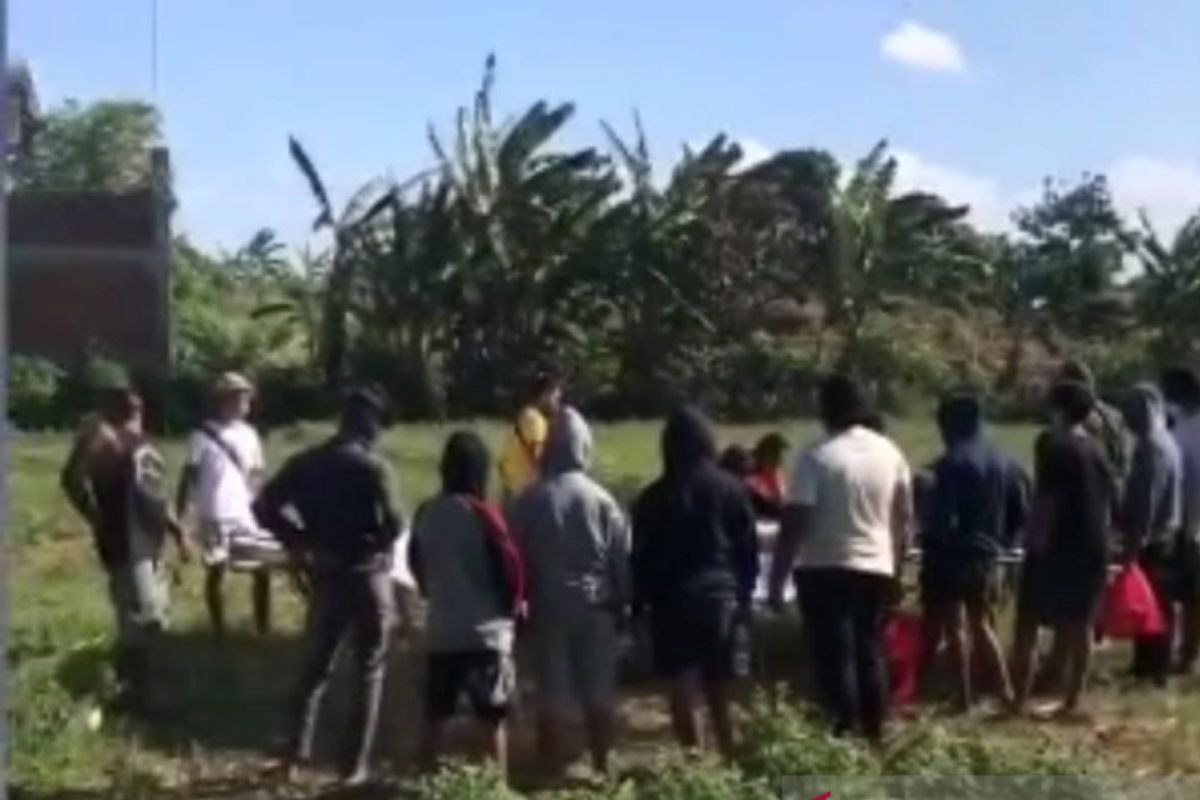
<point>1073,471</point>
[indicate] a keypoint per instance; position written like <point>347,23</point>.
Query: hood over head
<point>1145,411</point>
<point>687,442</point>
<point>569,444</point>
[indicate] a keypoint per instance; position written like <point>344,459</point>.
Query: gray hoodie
<point>1151,511</point>
<point>573,533</point>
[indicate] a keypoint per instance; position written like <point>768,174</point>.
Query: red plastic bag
<point>1131,610</point>
<point>902,639</point>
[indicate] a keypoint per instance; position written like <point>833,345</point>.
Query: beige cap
<point>232,383</point>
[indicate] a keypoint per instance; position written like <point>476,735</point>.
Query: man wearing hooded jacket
<point>576,541</point>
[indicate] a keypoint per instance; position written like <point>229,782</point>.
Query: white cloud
<point>923,48</point>
<point>1168,191</point>
<point>990,208</point>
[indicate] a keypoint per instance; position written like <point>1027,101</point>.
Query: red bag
<point>1131,610</point>
<point>902,639</point>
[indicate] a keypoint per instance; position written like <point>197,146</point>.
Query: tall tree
<point>104,146</point>
<point>1169,289</point>
<point>1073,250</point>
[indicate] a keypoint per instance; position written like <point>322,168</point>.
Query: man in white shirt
<point>845,525</point>
<point>1181,388</point>
<point>223,470</point>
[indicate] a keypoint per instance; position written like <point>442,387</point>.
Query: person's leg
<point>260,589</point>
<point>682,698</point>
<point>327,626</point>
<point>1189,611</point>
<point>868,595</point>
<point>214,588</point>
<point>1077,639</point>
<point>718,694</point>
<point>960,655</point>
<point>495,732</point>
<point>445,677</point>
<point>373,613</point>
<point>552,668</point>
<point>1152,654</point>
<point>825,607</point>
<point>934,630</point>
<point>595,654</point>
<point>986,642</point>
<point>1024,659</point>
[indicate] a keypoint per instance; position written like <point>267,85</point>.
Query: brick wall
<point>90,270</point>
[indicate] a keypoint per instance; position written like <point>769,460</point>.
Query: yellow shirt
<point>523,450</point>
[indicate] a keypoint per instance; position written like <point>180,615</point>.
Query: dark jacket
<point>693,529</point>
<point>979,502</point>
<point>342,493</point>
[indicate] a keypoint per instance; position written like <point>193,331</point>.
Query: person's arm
<point>391,517</point>
<point>902,515</point>
<point>74,477</point>
<point>1016,504</point>
<point>640,558</point>
<point>795,524</point>
<point>1137,512</point>
<point>620,546</point>
<point>743,537</point>
<point>270,507</point>
<point>256,466</point>
<point>189,476</point>
<point>416,563</point>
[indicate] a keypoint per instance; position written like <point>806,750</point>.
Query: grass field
<point>226,701</point>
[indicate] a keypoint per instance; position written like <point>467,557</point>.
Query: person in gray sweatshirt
<point>576,542</point>
<point>1151,517</point>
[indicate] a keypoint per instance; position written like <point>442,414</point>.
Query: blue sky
<point>980,98</point>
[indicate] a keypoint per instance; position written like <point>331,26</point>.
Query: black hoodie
<point>693,528</point>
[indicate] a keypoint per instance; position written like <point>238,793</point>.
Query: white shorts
<point>240,546</point>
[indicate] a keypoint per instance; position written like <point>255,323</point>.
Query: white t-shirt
<point>223,493</point>
<point>850,483</point>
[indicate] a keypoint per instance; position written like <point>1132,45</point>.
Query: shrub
<point>33,392</point>
<point>780,739</point>
<point>465,782</point>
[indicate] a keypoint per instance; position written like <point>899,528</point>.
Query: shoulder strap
<point>215,437</point>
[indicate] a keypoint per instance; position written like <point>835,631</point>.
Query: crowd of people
<point>561,565</point>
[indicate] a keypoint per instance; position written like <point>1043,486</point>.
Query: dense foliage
<point>728,283</point>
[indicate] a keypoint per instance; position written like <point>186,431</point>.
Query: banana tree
<point>363,208</point>
<point>523,213</point>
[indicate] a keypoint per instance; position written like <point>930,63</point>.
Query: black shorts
<point>1185,585</point>
<point>971,581</point>
<point>704,634</point>
<point>486,678</point>
<point>1057,590</point>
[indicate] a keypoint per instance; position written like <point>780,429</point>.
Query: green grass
<point>227,703</point>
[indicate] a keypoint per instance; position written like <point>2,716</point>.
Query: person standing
<point>845,527</point>
<point>223,469</point>
<point>695,564</point>
<point>470,569</point>
<point>766,481</point>
<point>521,458</point>
<point>114,479</point>
<point>977,507</point>
<point>1181,387</point>
<point>1068,541</point>
<point>333,507</point>
<point>576,541</point>
<point>1150,518</point>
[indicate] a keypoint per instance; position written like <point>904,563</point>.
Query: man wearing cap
<point>223,469</point>
<point>333,506</point>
